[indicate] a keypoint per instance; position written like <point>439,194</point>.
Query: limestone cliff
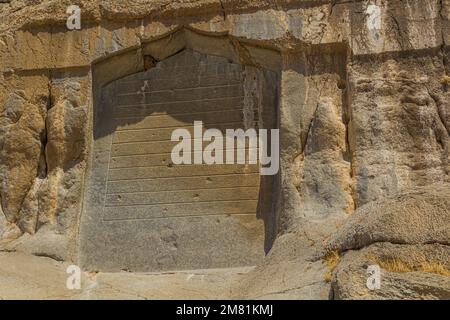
<point>363,109</point>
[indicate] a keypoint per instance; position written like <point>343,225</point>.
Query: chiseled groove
<point>199,176</point>
<point>162,153</point>
<point>194,113</point>
<point>183,216</point>
<point>141,82</point>
<point>165,165</point>
<point>174,102</point>
<point>196,176</point>
<point>205,76</point>
<point>181,114</point>
<point>178,101</point>
<point>177,203</point>
<point>190,126</point>
<point>158,154</point>
<point>168,68</point>
<point>167,112</point>
<point>177,126</point>
<point>166,140</point>
<point>140,88</point>
<point>181,89</point>
<point>155,178</point>
<point>182,190</point>
<point>238,166</point>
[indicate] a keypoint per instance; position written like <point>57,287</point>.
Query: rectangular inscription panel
<point>145,213</point>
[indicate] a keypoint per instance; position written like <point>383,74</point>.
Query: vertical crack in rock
<point>332,4</point>
<point>400,34</point>
<point>443,44</point>
<point>441,134</point>
<point>243,53</point>
<point>438,103</point>
<point>445,62</point>
<point>344,86</point>
<point>310,126</point>
<point>45,138</point>
<point>441,15</point>
<point>32,205</point>
<point>224,14</point>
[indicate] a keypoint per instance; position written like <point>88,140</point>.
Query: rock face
<point>361,97</point>
<point>407,237</point>
<point>28,277</point>
<point>406,272</point>
<point>417,216</point>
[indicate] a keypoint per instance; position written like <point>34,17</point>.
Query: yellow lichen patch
<point>393,265</point>
<point>397,265</point>
<point>445,80</point>
<point>332,260</point>
<point>436,268</point>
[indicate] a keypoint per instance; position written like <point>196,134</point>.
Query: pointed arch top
<point>139,58</point>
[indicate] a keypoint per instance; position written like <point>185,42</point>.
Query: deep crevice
<point>358,248</point>
<point>48,255</point>
<point>224,14</point>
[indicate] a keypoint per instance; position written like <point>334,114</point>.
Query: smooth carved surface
<point>148,107</point>
<point>170,210</point>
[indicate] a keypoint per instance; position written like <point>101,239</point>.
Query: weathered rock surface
<point>293,257</point>
<point>30,277</point>
<point>363,108</point>
<point>407,236</point>
<point>419,216</point>
<point>416,278</point>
